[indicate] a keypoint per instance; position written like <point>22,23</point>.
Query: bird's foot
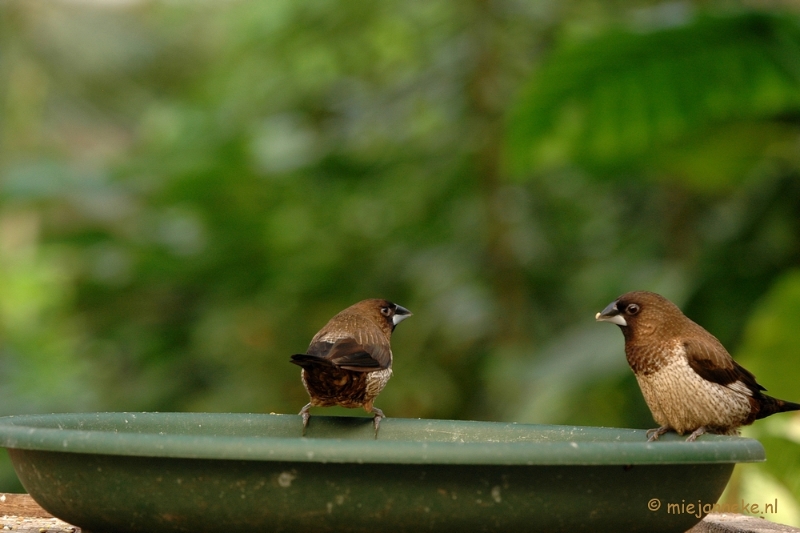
<point>377,420</point>
<point>653,434</point>
<point>306,415</point>
<point>696,433</point>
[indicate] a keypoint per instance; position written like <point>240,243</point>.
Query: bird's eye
<point>386,311</point>
<point>632,309</point>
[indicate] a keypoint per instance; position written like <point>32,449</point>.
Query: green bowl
<point>250,472</point>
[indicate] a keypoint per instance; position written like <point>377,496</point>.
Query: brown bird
<point>688,379</point>
<point>349,361</point>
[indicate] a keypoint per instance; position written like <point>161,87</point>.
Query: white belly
<point>682,400</point>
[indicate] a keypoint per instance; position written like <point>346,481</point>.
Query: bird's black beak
<point>611,314</point>
<point>400,314</point>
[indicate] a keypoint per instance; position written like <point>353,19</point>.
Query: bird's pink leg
<point>377,420</point>
<point>306,415</point>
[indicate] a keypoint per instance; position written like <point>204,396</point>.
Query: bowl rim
<point>53,433</point>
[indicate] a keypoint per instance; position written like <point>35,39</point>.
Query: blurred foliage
<point>189,190</point>
<point>699,102</point>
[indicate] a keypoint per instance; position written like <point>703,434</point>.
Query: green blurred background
<point>190,189</point>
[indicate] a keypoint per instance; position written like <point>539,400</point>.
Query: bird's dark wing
<point>352,355</point>
<point>713,363</point>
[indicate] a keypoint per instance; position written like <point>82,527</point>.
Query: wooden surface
<point>21,505</point>
<point>18,512</point>
<point>739,523</point>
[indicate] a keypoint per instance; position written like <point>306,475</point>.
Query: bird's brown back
<point>365,325</point>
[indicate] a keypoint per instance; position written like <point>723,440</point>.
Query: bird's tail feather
<point>306,360</point>
<point>771,405</point>
<point>789,406</point>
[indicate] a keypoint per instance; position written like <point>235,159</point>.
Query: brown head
<point>383,313</point>
<point>640,314</point>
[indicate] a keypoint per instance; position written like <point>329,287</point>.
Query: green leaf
<point>626,100</point>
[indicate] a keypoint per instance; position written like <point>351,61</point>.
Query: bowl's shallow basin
<point>248,472</point>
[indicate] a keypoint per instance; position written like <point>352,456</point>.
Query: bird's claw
<point>653,434</point>
<point>696,433</point>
